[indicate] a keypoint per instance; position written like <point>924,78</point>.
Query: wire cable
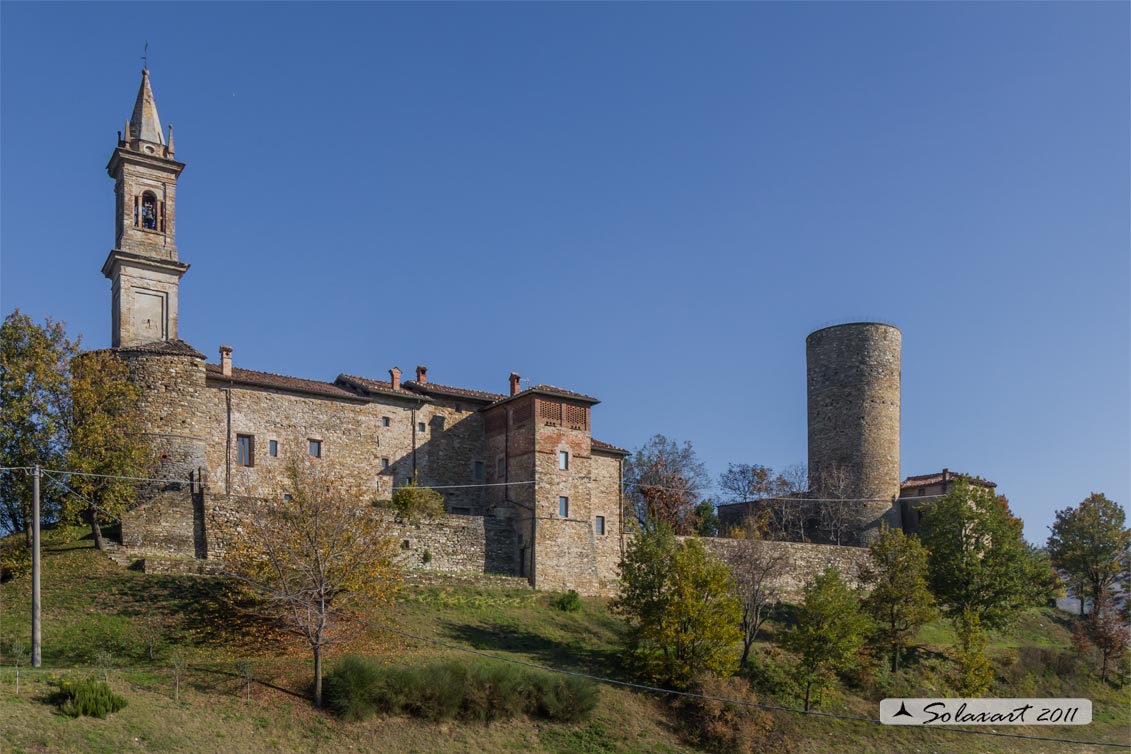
<point>646,687</point>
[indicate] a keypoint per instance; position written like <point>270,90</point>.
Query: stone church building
<point>527,489</point>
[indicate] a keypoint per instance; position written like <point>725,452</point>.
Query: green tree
<point>106,440</point>
<point>680,606</point>
<point>708,525</point>
<point>414,503</point>
<point>34,384</point>
<point>975,671</point>
<point>899,600</point>
<point>831,628</point>
<point>1089,543</point>
<point>979,560</point>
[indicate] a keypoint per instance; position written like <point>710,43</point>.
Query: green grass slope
<point>93,608</point>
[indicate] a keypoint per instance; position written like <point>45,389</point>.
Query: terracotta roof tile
<point>607,447</point>
<point>432,387</point>
<point>563,392</point>
<point>924,480</point>
<point>281,382</point>
<point>377,386</point>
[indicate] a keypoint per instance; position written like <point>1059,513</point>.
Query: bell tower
<point>143,267</point>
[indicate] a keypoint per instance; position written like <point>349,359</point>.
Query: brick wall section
<point>565,545</point>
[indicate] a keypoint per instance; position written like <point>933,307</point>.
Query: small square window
<point>420,427</point>
<point>314,447</point>
<point>480,470</point>
<point>288,498</point>
<point>273,448</point>
<point>501,471</point>
<point>563,507</point>
<point>245,450</point>
<point>563,460</point>
<point>599,525</point>
<point>384,463</point>
<point>385,421</point>
<point>459,409</point>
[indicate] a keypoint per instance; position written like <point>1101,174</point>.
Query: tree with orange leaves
<point>313,548</point>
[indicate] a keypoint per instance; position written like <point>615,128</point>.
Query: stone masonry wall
<point>449,544</point>
<point>853,377</point>
<point>353,441</point>
<point>803,561</point>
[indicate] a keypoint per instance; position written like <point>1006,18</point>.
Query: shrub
<point>350,688</point>
<point>480,690</point>
<point>15,557</point>
<point>570,602</point>
<point>729,727</point>
<point>87,697</point>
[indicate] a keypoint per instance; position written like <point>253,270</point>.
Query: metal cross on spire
<point>145,57</point>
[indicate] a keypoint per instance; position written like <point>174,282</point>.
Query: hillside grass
<point>91,604</point>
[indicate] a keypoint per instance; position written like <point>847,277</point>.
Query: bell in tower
<point>143,266</point>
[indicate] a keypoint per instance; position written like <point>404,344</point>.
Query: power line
<point>645,687</point>
<point>62,484</point>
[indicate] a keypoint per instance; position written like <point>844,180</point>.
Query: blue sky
<point>650,203</point>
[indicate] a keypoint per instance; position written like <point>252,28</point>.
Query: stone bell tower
<point>143,265</point>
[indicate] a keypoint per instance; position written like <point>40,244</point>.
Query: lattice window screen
<point>550,413</point>
<point>577,417</point>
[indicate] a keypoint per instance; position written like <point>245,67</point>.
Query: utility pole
<point>36,627</point>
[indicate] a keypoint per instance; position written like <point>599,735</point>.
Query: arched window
<point>149,211</point>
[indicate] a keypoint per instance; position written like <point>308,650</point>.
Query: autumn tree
<point>899,599</point>
<point>315,549</point>
<point>979,560</point>
<point>35,383</point>
<point>831,628</point>
<point>105,440</point>
<point>666,480</point>
<point>756,568</point>
<point>1105,630</point>
<point>1089,543</point>
<point>680,607</point>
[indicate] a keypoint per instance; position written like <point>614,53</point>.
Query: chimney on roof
<point>422,375</point>
<point>945,474</point>
<point>395,378</point>
<point>515,383</point>
<point>226,361</point>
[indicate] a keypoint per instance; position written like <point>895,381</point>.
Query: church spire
<point>145,124</point>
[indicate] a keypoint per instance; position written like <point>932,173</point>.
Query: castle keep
<point>528,492</point>
<point>527,489</point>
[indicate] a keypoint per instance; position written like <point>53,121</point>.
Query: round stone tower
<point>853,373</point>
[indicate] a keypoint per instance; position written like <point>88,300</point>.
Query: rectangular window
<point>563,507</point>
<point>314,447</point>
<point>480,470</point>
<point>501,471</point>
<point>385,421</point>
<point>288,498</point>
<point>273,448</point>
<point>599,525</point>
<point>563,460</point>
<point>459,409</point>
<point>245,450</point>
<point>384,463</point>
<point>421,428</point>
